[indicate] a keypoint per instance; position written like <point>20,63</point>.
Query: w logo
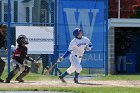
<point>83,18</point>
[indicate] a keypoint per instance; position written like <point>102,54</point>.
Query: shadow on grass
<point>88,84</point>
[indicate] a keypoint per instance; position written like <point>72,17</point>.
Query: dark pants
<point>16,70</point>
<point>2,65</point>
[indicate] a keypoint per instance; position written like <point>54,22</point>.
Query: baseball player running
<point>76,49</point>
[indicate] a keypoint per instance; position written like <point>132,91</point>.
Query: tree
<point>126,8</point>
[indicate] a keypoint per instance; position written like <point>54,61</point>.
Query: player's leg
<point>12,73</point>
<point>74,65</point>
<point>23,74</point>
<point>67,72</point>
<point>77,72</point>
<point>2,65</point>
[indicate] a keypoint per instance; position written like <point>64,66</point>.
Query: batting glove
<point>60,59</point>
<point>88,47</point>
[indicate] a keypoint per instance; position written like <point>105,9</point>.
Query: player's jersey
<point>77,46</point>
<point>20,54</point>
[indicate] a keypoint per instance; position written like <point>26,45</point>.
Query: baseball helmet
<point>76,31</point>
<point>22,39</point>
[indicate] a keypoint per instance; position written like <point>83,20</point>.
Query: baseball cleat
<point>7,81</point>
<point>62,79</point>
<point>1,80</point>
<point>19,80</point>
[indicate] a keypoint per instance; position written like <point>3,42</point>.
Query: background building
<point>124,30</point>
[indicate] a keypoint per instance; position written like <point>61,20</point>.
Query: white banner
<point>41,38</point>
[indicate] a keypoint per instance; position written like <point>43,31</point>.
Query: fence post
<point>9,43</point>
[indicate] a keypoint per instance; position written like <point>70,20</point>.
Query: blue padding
<point>67,53</point>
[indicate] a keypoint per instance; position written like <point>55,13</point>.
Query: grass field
<point>118,77</point>
<point>38,76</point>
<point>95,89</point>
<point>82,90</point>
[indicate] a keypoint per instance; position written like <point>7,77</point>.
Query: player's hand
<point>37,64</point>
<point>88,47</point>
<point>60,59</point>
<point>34,61</point>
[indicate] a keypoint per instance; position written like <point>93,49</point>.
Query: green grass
<point>117,77</point>
<point>82,90</point>
<point>32,77</point>
<point>38,76</point>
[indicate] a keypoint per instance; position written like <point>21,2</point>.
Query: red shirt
<point>20,54</point>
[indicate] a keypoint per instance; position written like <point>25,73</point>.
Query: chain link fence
<point>41,13</point>
<point>30,13</point>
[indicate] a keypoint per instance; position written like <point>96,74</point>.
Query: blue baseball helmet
<point>76,31</point>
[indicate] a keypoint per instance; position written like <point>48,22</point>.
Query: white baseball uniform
<point>77,48</point>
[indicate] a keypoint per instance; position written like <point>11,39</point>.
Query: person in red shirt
<point>19,55</point>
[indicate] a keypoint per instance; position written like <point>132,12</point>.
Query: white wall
<point>22,10</point>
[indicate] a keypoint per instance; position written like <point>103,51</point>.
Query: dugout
<point>124,46</point>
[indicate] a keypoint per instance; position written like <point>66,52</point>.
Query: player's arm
<point>37,64</point>
<point>5,43</point>
<point>70,48</point>
<point>67,53</point>
<point>29,58</point>
<point>89,45</point>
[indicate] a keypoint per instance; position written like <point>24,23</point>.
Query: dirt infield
<point>57,83</point>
